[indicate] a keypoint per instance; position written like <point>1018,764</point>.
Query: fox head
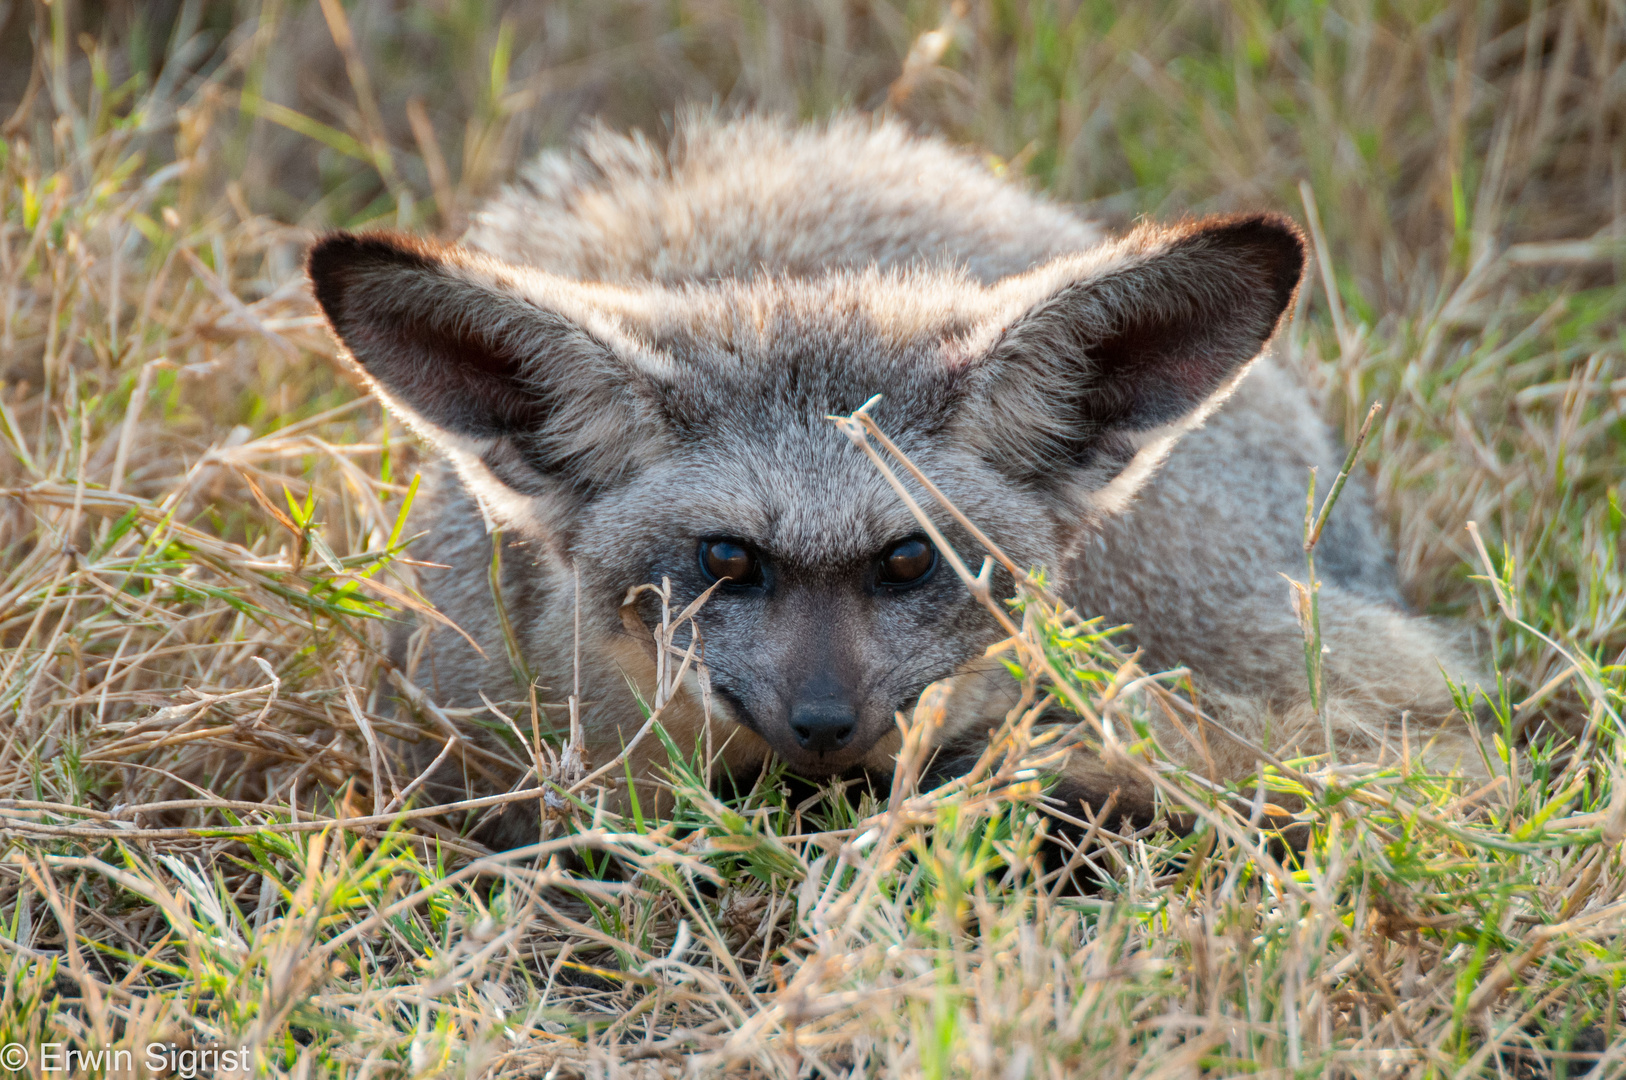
<point>640,432</point>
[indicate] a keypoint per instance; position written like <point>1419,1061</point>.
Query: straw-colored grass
<point>205,526</point>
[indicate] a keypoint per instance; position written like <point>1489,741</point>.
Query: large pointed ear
<point>512,374</point>
<point>1109,356</point>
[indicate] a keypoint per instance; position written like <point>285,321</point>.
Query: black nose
<point>823,726</point>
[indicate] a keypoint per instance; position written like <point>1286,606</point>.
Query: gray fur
<point>636,349</point>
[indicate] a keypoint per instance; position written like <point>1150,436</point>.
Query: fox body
<point>627,368</point>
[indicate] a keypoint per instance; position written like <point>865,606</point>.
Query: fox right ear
<point>499,367</point>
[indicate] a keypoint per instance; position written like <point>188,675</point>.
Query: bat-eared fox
<point>627,367</point>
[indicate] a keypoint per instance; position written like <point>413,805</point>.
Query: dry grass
<point>197,793</point>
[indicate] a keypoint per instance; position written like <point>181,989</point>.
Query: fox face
<point>638,433</point>
<point>830,611</point>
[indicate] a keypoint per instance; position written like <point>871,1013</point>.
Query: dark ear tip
<point>324,265</point>
<point>1277,234</point>
<point>1274,242</point>
<point>336,257</point>
<point>330,250</point>
<point>337,250</point>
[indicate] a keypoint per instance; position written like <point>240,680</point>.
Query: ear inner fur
<point>452,350</point>
<point>458,343</point>
<point>1113,354</point>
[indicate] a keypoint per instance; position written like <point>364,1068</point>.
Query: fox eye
<point>908,562</point>
<point>730,559</point>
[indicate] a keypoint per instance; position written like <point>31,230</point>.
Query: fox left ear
<point>1113,354</point>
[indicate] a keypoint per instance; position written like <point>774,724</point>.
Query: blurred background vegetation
<point>342,114</point>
